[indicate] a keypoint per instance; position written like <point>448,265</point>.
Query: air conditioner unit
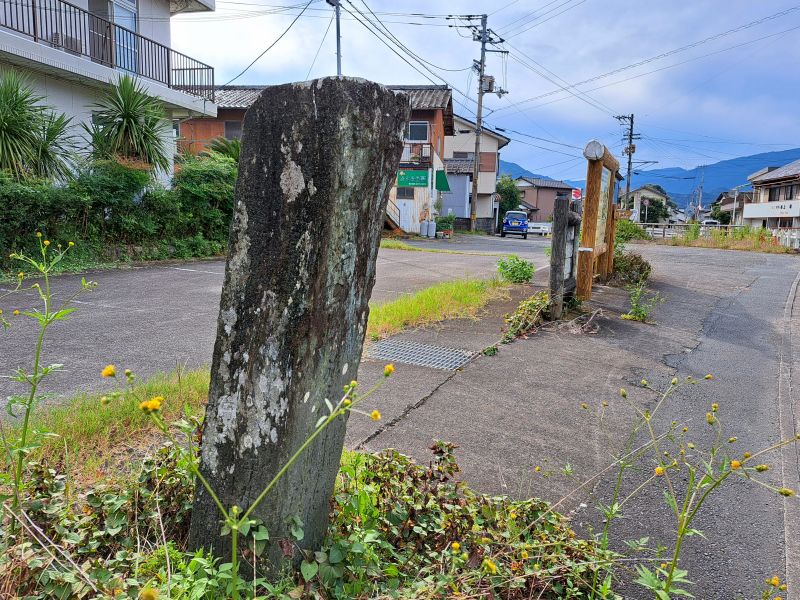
<point>66,42</point>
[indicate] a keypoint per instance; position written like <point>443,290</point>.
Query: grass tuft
<point>457,299</point>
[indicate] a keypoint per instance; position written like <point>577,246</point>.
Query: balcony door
<point>125,41</point>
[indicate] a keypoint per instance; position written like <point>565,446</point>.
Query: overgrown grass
<point>449,300</point>
<point>92,433</point>
<point>742,238</point>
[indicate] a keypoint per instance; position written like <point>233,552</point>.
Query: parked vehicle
<point>515,221</point>
<point>543,228</point>
<point>709,222</point>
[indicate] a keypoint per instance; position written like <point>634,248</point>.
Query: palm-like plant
<point>130,124</point>
<point>226,147</point>
<point>34,141</point>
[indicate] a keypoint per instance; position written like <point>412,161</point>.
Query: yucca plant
<point>226,147</point>
<point>129,124</point>
<point>34,141</point>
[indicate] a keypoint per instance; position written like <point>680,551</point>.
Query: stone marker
<point>318,159</point>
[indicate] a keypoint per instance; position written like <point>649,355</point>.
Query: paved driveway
<point>151,318</point>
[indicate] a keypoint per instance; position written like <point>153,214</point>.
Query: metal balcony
<point>62,25</point>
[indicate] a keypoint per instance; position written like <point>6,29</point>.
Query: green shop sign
<point>409,178</point>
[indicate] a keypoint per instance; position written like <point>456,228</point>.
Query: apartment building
<point>776,197</point>
<point>70,51</point>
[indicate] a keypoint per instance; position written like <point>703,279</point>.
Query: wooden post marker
<point>596,251</point>
<point>318,160</point>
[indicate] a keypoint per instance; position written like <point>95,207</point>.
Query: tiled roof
<point>546,183</point>
<point>459,166</point>
<point>790,170</point>
<point>426,97</point>
<point>236,96</point>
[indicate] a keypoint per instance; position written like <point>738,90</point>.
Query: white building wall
<point>154,20</point>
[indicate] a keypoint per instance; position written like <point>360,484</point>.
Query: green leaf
<point>309,570</point>
<point>335,555</point>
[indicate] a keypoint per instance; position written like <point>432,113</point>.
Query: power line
<point>524,20</point>
<point>676,51</point>
<point>313,62</point>
<point>268,48</point>
<point>538,22</point>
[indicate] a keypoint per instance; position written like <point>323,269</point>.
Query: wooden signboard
<point>596,251</point>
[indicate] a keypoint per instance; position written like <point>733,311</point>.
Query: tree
<point>130,124</point>
<point>34,140</point>
<point>717,213</point>
<point>656,210</point>
<point>510,194</point>
<point>226,147</point>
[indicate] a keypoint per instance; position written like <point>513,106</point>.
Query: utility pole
<point>335,4</point>
<point>485,85</point>
<point>629,149</point>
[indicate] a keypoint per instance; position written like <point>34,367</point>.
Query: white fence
<point>788,237</point>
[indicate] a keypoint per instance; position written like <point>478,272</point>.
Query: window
<point>774,194</point>
<point>464,155</point>
<point>789,192</point>
<point>233,130</point>
<point>417,131</point>
<point>405,193</point>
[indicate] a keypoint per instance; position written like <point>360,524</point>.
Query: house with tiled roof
<point>459,163</point>
<point>539,196</point>
<point>776,197</point>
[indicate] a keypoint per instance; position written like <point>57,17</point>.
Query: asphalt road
<point>151,318</point>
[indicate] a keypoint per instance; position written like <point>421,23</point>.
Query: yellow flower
<point>512,515</point>
<point>353,384</point>
<point>623,392</point>
<point>347,402</point>
<point>775,582</point>
<point>71,244</point>
<point>747,455</point>
<point>644,382</point>
<point>538,469</point>
<point>148,594</point>
<point>685,429</point>
<point>388,370</point>
<point>732,440</point>
<point>46,242</point>
<point>714,407</point>
<point>523,555</point>
<point>709,376</point>
<point>109,371</point>
<point>152,405</point>
<point>710,418</point>
<point>736,465</point>
<point>15,313</point>
<point>456,546</point>
<point>659,471</point>
<point>20,274</point>
<point>39,234</point>
<point>490,566</point>
<point>375,415</point>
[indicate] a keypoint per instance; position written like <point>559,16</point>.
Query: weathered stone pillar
<point>318,159</point>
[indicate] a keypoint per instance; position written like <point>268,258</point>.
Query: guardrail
<point>62,25</point>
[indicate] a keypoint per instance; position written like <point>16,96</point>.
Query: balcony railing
<point>417,153</point>
<point>62,25</point>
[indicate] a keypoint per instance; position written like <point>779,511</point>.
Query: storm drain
<point>424,355</point>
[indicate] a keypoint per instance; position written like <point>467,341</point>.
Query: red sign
<point>577,194</point>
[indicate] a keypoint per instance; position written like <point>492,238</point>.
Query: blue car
<point>515,221</point>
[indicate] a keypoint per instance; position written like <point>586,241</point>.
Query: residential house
<point>640,199</point>
<point>421,176</point>
<point>70,51</point>
<point>232,103</point>
<point>732,203</point>
<point>459,162</point>
<point>776,197</point>
<point>539,196</point>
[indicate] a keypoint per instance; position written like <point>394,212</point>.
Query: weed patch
<point>448,300</point>
<point>514,269</point>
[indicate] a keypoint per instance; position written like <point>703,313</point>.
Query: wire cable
<point>272,45</point>
<point>322,43</point>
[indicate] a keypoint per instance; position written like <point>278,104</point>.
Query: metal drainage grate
<point>424,355</point>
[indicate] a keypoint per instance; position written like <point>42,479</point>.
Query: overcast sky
<point>730,96</point>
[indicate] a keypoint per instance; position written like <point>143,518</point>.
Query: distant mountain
<point>717,178</point>
<point>514,170</point>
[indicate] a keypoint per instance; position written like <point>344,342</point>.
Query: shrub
<point>625,232</point>
<point>630,268</point>
<point>230,148</point>
<point>204,189</point>
<point>446,222</point>
<point>514,269</point>
<point>34,140</point>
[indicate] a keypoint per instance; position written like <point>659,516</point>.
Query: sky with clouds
<point>707,80</point>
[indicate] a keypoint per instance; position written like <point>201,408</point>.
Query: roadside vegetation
<point>107,197</point>
<point>753,239</point>
<point>462,298</point>
<point>514,269</point>
<point>397,529</point>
